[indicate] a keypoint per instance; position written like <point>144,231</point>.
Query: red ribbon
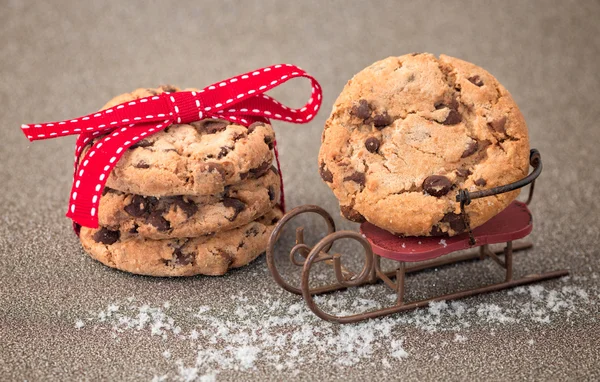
<point>239,99</point>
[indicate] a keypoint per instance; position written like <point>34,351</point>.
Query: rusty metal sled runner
<point>514,223</point>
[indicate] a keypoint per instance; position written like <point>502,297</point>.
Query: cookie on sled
<point>429,155</point>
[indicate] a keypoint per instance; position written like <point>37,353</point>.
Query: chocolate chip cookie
<point>188,216</point>
<point>201,158</point>
<point>208,255</point>
<point>408,132</point>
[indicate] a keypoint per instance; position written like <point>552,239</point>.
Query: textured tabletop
<point>64,316</point>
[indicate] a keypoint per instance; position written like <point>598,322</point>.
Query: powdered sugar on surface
<point>280,333</point>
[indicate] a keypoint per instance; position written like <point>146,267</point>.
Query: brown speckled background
<point>61,59</point>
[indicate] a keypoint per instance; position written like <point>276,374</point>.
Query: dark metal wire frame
<point>465,197</point>
<point>535,160</point>
<point>305,256</point>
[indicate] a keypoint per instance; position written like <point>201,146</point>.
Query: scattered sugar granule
<point>398,351</point>
<point>443,242</point>
<point>273,330</point>
<point>459,338</point>
<point>403,245</point>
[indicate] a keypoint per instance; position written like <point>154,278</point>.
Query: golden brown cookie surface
<point>408,132</point>
<point>200,158</point>
<point>207,255</point>
<point>189,216</point>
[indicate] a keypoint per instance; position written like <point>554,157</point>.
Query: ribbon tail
<point>144,110</point>
<point>95,167</point>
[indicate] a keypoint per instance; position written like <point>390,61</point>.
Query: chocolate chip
<point>141,164</point>
<point>436,231</point>
<point>470,150</point>
<point>382,120</point>
<point>158,221</point>
<point>463,172</point>
<point>358,177</point>
<point>134,229</point>
<point>498,125</point>
<point>415,54</point>
<point>168,88</point>
<point>142,143</point>
<point>253,126</point>
<point>274,169</point>
<point>455,221</point>
<point>271,193</point>
<point>453,118</point>
<point>223,152</point>
<point>362,110</point>
<point>237,205</point>
<point>437,185</point>
<point>476,80</point>
<point>151,91</point>
<point>213,127</point>
<point>138,207</point>
<point>454,104</point>
<point>480,182</point>
<point>351,214</point>
<point>238,136</point>
<point>252,231</point>
<point>411,78</point>
<point>372,144</point>
<point>228,257</point>
<point>188,207</point>
<point>106,236</point>
<point>260,170</point>
<point>326,175</point>
<point>269,142</point>
<point>212,167</point>
<point>182,258</point>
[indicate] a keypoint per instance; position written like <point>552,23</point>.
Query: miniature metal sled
<point>514,223</point>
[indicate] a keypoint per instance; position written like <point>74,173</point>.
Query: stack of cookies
<point>192,199</point>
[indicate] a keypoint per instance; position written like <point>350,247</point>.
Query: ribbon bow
<point>240,99</point>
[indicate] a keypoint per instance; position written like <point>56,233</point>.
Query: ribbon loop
<point>239,99</point>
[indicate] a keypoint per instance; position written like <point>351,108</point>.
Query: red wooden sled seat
<point>514,223</point>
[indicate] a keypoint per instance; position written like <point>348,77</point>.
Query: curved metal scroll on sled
<point>513,223</point>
